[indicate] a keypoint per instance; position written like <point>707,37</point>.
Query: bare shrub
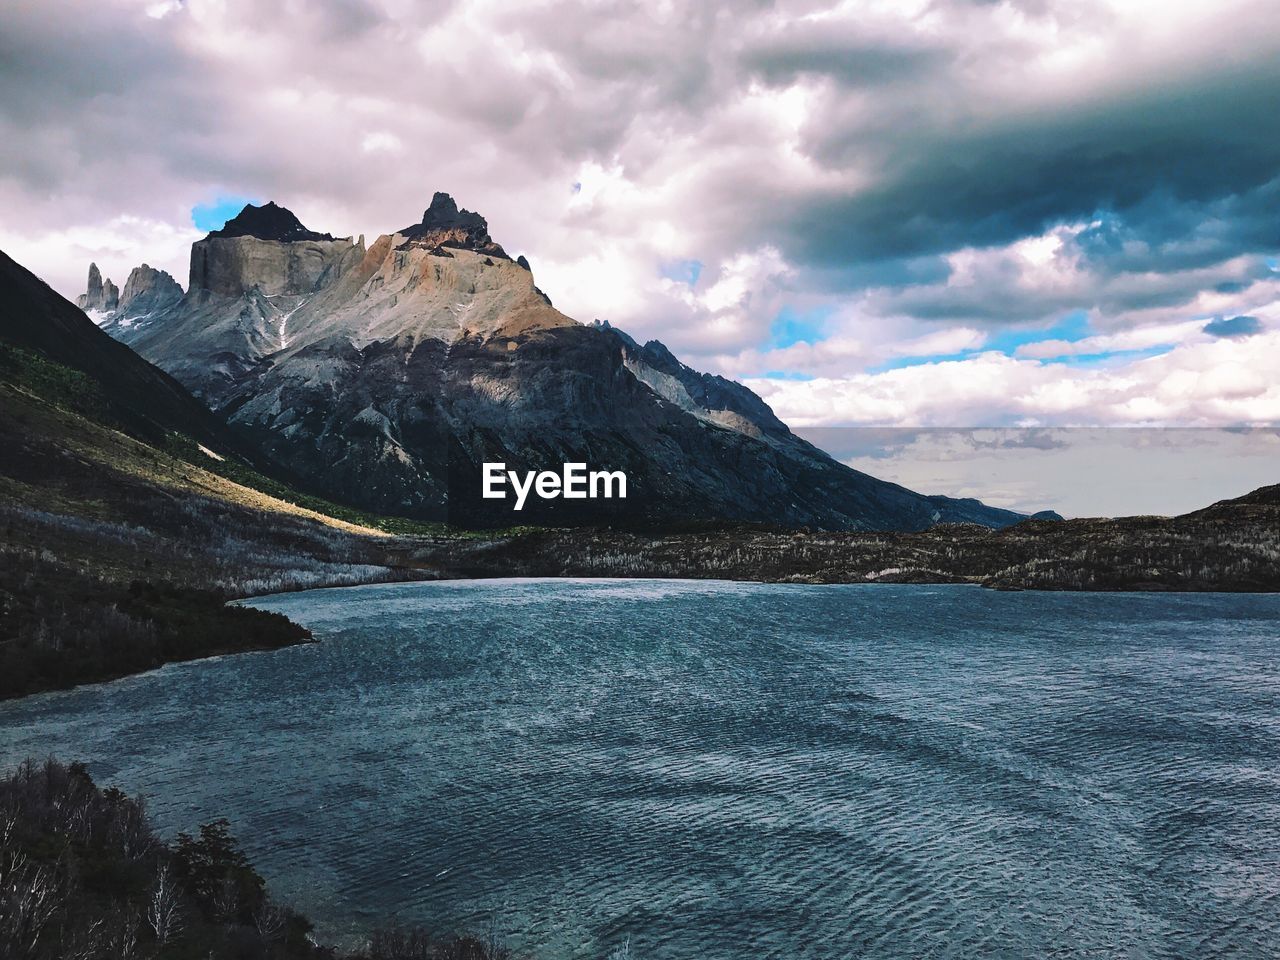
<point>163,910</point>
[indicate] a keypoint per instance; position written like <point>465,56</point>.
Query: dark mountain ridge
<point>143,399</point>
<point>268,222</point>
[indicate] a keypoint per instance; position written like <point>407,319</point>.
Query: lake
<point>727,770</point>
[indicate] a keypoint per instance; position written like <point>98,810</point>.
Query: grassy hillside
<point>130,392</point>
<point>117,555</point>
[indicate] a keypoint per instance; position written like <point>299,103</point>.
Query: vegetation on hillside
<point>83,876</point>
<point>59,627</point>
<point>186,449</point>
<point>1233,546</point>
<point>60,385</point>
<point>117,556</point>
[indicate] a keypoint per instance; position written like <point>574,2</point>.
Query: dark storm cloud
<point>842,53</point>
<point>98,109</point>
<point>1165,233</point>
<point>1000,297</point>
<point>1206,141</point>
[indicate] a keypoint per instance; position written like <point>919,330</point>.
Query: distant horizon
<point>1075,471</point>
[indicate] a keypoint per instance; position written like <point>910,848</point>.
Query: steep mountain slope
<point>141,398</point>
<point>122,531</point>
<point>391,374</point>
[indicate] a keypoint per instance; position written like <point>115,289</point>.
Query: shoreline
<point>244,602</point>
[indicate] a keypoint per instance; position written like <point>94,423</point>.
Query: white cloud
<point>925,174</point>
<point>117,246</point>
<point>1216,383</point>
<point>953,340</point>
<point>1140,338</point>
<point>162,9</point>
<point>381,141</point>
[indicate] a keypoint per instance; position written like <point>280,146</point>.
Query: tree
<point>164,906</point>
<point>270,919</point>
<point>217,873</point>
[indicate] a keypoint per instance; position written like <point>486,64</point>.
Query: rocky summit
<point>444,225</point>
<point>101,296</point>
<point>147,291</point>
<point>267,222</point>
<point>389,375</point>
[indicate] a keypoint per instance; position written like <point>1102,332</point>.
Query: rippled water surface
<point>732,771</point>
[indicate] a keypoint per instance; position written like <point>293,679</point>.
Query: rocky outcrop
<point>101,296</point>
<point>424,292</point>
<point>725,403</point>
<point>232,266</point>
<point>92,297</point>
<point>148,290</point>
<point>444,225</point>
<point>246,280</point>
<point>268,249</point>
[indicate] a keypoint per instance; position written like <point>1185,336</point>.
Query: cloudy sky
<point>900,214</point>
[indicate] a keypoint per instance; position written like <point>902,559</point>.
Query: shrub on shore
<point>83,876</point>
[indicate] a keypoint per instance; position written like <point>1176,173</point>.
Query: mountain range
<point>387,374</point>
<point>130,512</point>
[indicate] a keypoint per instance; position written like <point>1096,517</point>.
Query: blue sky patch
<point>1072,327</point>
<point>791,326</point>
<point>1100,359</point>
<point>781,375</point>
<point>214,216</point>
<point>682,271</point>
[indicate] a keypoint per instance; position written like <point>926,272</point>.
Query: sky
<point>1075,471</point>
<point>1033,214</point>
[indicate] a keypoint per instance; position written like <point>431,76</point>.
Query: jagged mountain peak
<point>656,351</point>
<point>268,222</point>
<point>147,290</point>
<point>444,212</point>
<point>100,296</point>
<point>444,225</point>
